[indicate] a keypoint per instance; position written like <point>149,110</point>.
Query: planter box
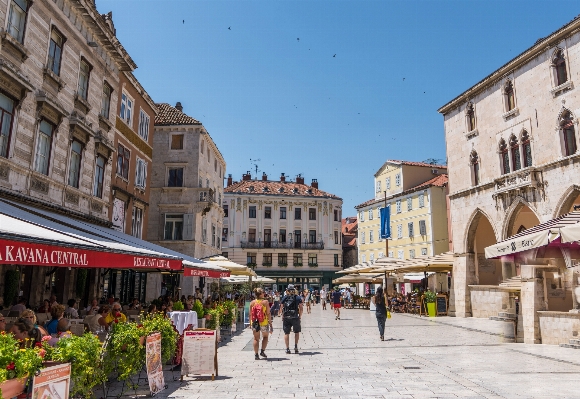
<point>200,323</point>
<point>13,387</point>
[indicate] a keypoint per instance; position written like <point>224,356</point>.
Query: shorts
<point>265,328</point>
<point>336,305</point>
<point>291,324</point>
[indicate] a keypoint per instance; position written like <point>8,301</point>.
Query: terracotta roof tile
<point>268,187</point>
<point>169,115</point>
<point>412,163</point>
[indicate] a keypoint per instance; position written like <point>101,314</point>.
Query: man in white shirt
<point>323,298</point>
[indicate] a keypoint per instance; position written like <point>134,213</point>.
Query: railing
<point>260,244</point>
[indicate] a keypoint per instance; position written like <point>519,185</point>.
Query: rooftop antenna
<point>255,163</point>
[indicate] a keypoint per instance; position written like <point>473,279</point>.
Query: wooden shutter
<point>188,226</point>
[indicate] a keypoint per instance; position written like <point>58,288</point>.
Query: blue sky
<point>361,85</point>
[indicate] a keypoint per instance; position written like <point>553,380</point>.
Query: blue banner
<point>386,222</point>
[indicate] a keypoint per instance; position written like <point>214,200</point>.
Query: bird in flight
<point>298,38</point>
<point>334,56</point>
<point>229,28</point>
<point>403,78</point>
<point>184,21</point>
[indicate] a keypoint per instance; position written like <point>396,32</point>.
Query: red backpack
<point>257,312</point>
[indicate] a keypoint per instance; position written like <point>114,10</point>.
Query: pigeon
<point>334,56</point>
<point>298,38</point>
<point>229,28</point>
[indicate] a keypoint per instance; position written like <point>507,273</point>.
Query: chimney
<point>179,107</point>
<point>230,180</point>
<point>314,183</point>
<point>247,176</point>
<point>282,177</point>
<point>264,176</point>
<point>299,179</point>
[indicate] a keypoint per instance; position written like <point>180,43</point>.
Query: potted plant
<point>198,309</point>
<point>430,297</point>
<point>178,306</point>
<point>214,320</point>
<point>125,351</point>
<point>228,313</point>
<point>17,364</point>
<point>157,323</point>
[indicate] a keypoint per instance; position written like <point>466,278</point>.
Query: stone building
<point>285,230</point>
<point>186,189</point>
<point>512,148</point>
<point>56,142</point>
<point>349,230</point>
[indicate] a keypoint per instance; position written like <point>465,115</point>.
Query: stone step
<point>500,318</point>
<point>575,341</point>
<point>573,346</point>
<point>507,315</point>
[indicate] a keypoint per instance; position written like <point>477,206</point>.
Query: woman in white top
<point>97,322</point>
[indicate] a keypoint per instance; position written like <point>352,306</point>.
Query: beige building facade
<point>512,147</point>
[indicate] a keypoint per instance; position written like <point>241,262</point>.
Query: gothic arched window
<point>505,157</point>
<point>515,152</point>
<point>526,149</point>
<point>559,65</point>
<point>568,133</point>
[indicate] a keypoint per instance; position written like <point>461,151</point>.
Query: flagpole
<point>386,250</point>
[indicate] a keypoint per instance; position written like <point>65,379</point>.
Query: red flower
<point>116,321</point>
<point>42,353</point>
<point>140,326</point>
<point>11,366</point>
<point>38,345</point>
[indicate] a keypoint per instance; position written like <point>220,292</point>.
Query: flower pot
<point>13,387</point>
<point>431,310</point>
<point>200,323</point>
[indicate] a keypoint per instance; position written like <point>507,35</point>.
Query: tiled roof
<point>438,181</point>
<point>350,223</point>
<point>412,163</point>
<point>268,187</point>
<point>349,241</point>
<point>169,115</point>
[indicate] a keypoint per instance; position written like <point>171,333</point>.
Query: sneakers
<point>257,357</point>
<point>295,349</point>
<point>263,354</point>
<point>382,338</point>
<point>287,351</point>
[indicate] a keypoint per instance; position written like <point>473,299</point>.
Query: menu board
<point>441,305</point>
<point>199,352</point>
<point>153,363</point>
<point>52,382</point>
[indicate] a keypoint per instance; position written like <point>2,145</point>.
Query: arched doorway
<point>481,235</point>
<point>569,200</point>
<point>521,217</point>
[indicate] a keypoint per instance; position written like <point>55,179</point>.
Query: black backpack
<point>290,309</point>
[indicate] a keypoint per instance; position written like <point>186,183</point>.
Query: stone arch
<point>472,226</point>
<point>567,200</point>
<point>514,218</point>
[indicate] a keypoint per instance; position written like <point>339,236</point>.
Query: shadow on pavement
<point>310,353</point>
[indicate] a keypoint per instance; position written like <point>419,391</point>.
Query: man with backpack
<point>291,310</point>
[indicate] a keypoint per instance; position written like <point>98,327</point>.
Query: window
<point>474,159</point>
<point>398,180</point>
<point>409,204</point>
<point>268,212</point>
<point>144,128</point>
<point>202,146</point>
<point>311,213</point>
<point>267,260</point>
<point>175,177</point>
<point>43,147</point>
<point>282,235</point>
<point>141,173</point>
<point>17,19</point>
<point>423,251</point>
<point>504,155</point>
<point>400,254</point>
<point>378,186</point>
<point>126,108</point>
<point>510,100</point>
<point>297,238</point>
<point>226,210</point>
<point>137,222</point>
<point>362,237</point>
<point>55,51</point>
<point>173,227</point>
<point>422,228</point>
<point>282,259</point>
<point>99,176</point>
<point>371,237</point>
<point>106,100</point>
<point>336,219</point>
<point>361,216</point>
<point>336,237</point>
<point>177,142</point>
<point>267,238</point>
<point>391,254</point>
<point>202,196</point>
<point>515,150</point>
<point>84,77</point>
<point>252,212</point>
<point>388,183</point>
<point>297,259</point>
<point>421,200</point>
<point>297,213</point>
<point>252,258</point>
<point>312,260</point>
<point>336,260</point>
<point>398,206</point>
<point>559,65</point>
<point>399,231</point>
<point>6,115</point>
<point>470,115</point>
<point>411,253</point>
<point>370,214</point>
<point>282,212</point>
<point>410,226</point>
<point>213,235</point>
<point>567,126</point>
<point>526,149</point>
<point>312,236</point>
<point>123,157</point>
<point>251,235</point>
<point>372,258</point>
<point>224,234</point>
<point>74,170</point>
<point>363,258</point>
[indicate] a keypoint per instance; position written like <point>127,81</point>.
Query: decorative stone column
<point>463,275</point>
<point>531,301</point>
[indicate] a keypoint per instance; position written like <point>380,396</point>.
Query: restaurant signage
<point>194,272</point>
<point>519,244</point>
<point>26,253</point>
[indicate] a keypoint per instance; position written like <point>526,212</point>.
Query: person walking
<point>308,300</point>
<point>323,298</point>
<point>380,302</point>
<point>276,306</point>
<point>261,321</point>
<point>291,310</point>
<point>336,298</point>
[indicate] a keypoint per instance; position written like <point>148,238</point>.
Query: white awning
<point>570,233</point>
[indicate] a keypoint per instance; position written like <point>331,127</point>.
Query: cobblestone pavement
<point>420,358</point>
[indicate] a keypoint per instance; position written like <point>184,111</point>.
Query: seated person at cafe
<point>135,304</point>
<point>56,312</point>
<point>62,327</point>
<point>44,307</point>
<point>115,316</point>
<point>20,306</point>
<point>71,309</point>
<point>29,314</point>
<point>23,329</point>
<point>93,308</point>
<point>97,321</point>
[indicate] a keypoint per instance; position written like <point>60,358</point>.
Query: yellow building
<point>416,192</point>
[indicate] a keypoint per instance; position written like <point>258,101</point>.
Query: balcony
<point>518,181</point>
<point>260,244</point>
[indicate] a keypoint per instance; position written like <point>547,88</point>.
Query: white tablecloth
<point>183,319</point>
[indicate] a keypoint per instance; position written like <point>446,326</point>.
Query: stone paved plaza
<point>420,358</point>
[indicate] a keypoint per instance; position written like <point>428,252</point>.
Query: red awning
<point>29,253</point>
<point>197,272</point>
